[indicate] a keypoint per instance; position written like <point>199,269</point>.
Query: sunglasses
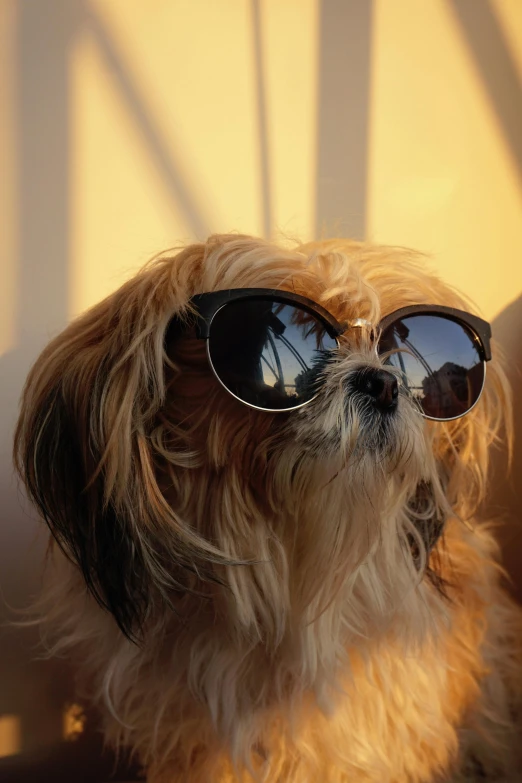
<point>268,347</point>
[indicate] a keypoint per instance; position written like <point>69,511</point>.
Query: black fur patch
<point>126,572</point>
<point>89,532</point>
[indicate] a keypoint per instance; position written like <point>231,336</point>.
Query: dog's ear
<point>84,450</point>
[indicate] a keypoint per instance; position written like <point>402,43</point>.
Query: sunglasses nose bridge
<point>360,334</point>
<point>360,323</point>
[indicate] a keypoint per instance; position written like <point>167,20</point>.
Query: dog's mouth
<point>360,412</point>
<point>352,423</point>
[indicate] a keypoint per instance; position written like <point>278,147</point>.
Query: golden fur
<point>266,619</point>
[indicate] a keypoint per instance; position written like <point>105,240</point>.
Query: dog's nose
<point>381,386</point>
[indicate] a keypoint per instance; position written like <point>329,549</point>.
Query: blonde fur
<point>238,586</point>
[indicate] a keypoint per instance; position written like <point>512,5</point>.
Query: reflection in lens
<point>267,353</point>
<point>440,362</point>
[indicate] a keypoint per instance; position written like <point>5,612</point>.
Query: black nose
<point>381,386</point>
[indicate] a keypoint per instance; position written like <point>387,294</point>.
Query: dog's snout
<point>381,386</point>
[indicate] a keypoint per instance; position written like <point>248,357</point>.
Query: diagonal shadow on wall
<point>160,153</point>
<point>485,40</point>
<point>35,690</point>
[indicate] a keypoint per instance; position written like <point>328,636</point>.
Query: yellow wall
<point>443,176</point>
<point>177,132</point>
<point>191,116</point>
<point>127,127</point>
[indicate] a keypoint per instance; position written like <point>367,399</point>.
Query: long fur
<point>248,594</point>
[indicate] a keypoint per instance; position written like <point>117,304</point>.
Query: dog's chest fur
<point>397,717</point>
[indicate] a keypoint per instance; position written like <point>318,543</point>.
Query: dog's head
<point>165,489</point>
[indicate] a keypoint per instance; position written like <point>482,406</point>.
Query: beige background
<point>128,126</point>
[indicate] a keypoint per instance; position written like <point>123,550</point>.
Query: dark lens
<point>440,362</point>
<point>268,353</point>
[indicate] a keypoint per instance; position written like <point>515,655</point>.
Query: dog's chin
<point>378,431</point>
<point>358,430</point>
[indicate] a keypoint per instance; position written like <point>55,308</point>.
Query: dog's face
<point>178,501</point>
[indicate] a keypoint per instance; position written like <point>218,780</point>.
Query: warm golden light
<point>128,127</point>
<point>10,735</point>
<point>442,176</point>
<point>73,722</point>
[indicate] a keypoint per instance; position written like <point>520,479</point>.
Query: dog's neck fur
<point>282,612</point>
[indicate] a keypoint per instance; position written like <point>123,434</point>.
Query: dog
<point>262,468</point>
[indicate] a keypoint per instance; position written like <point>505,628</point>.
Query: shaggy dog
<point>270,582</point>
